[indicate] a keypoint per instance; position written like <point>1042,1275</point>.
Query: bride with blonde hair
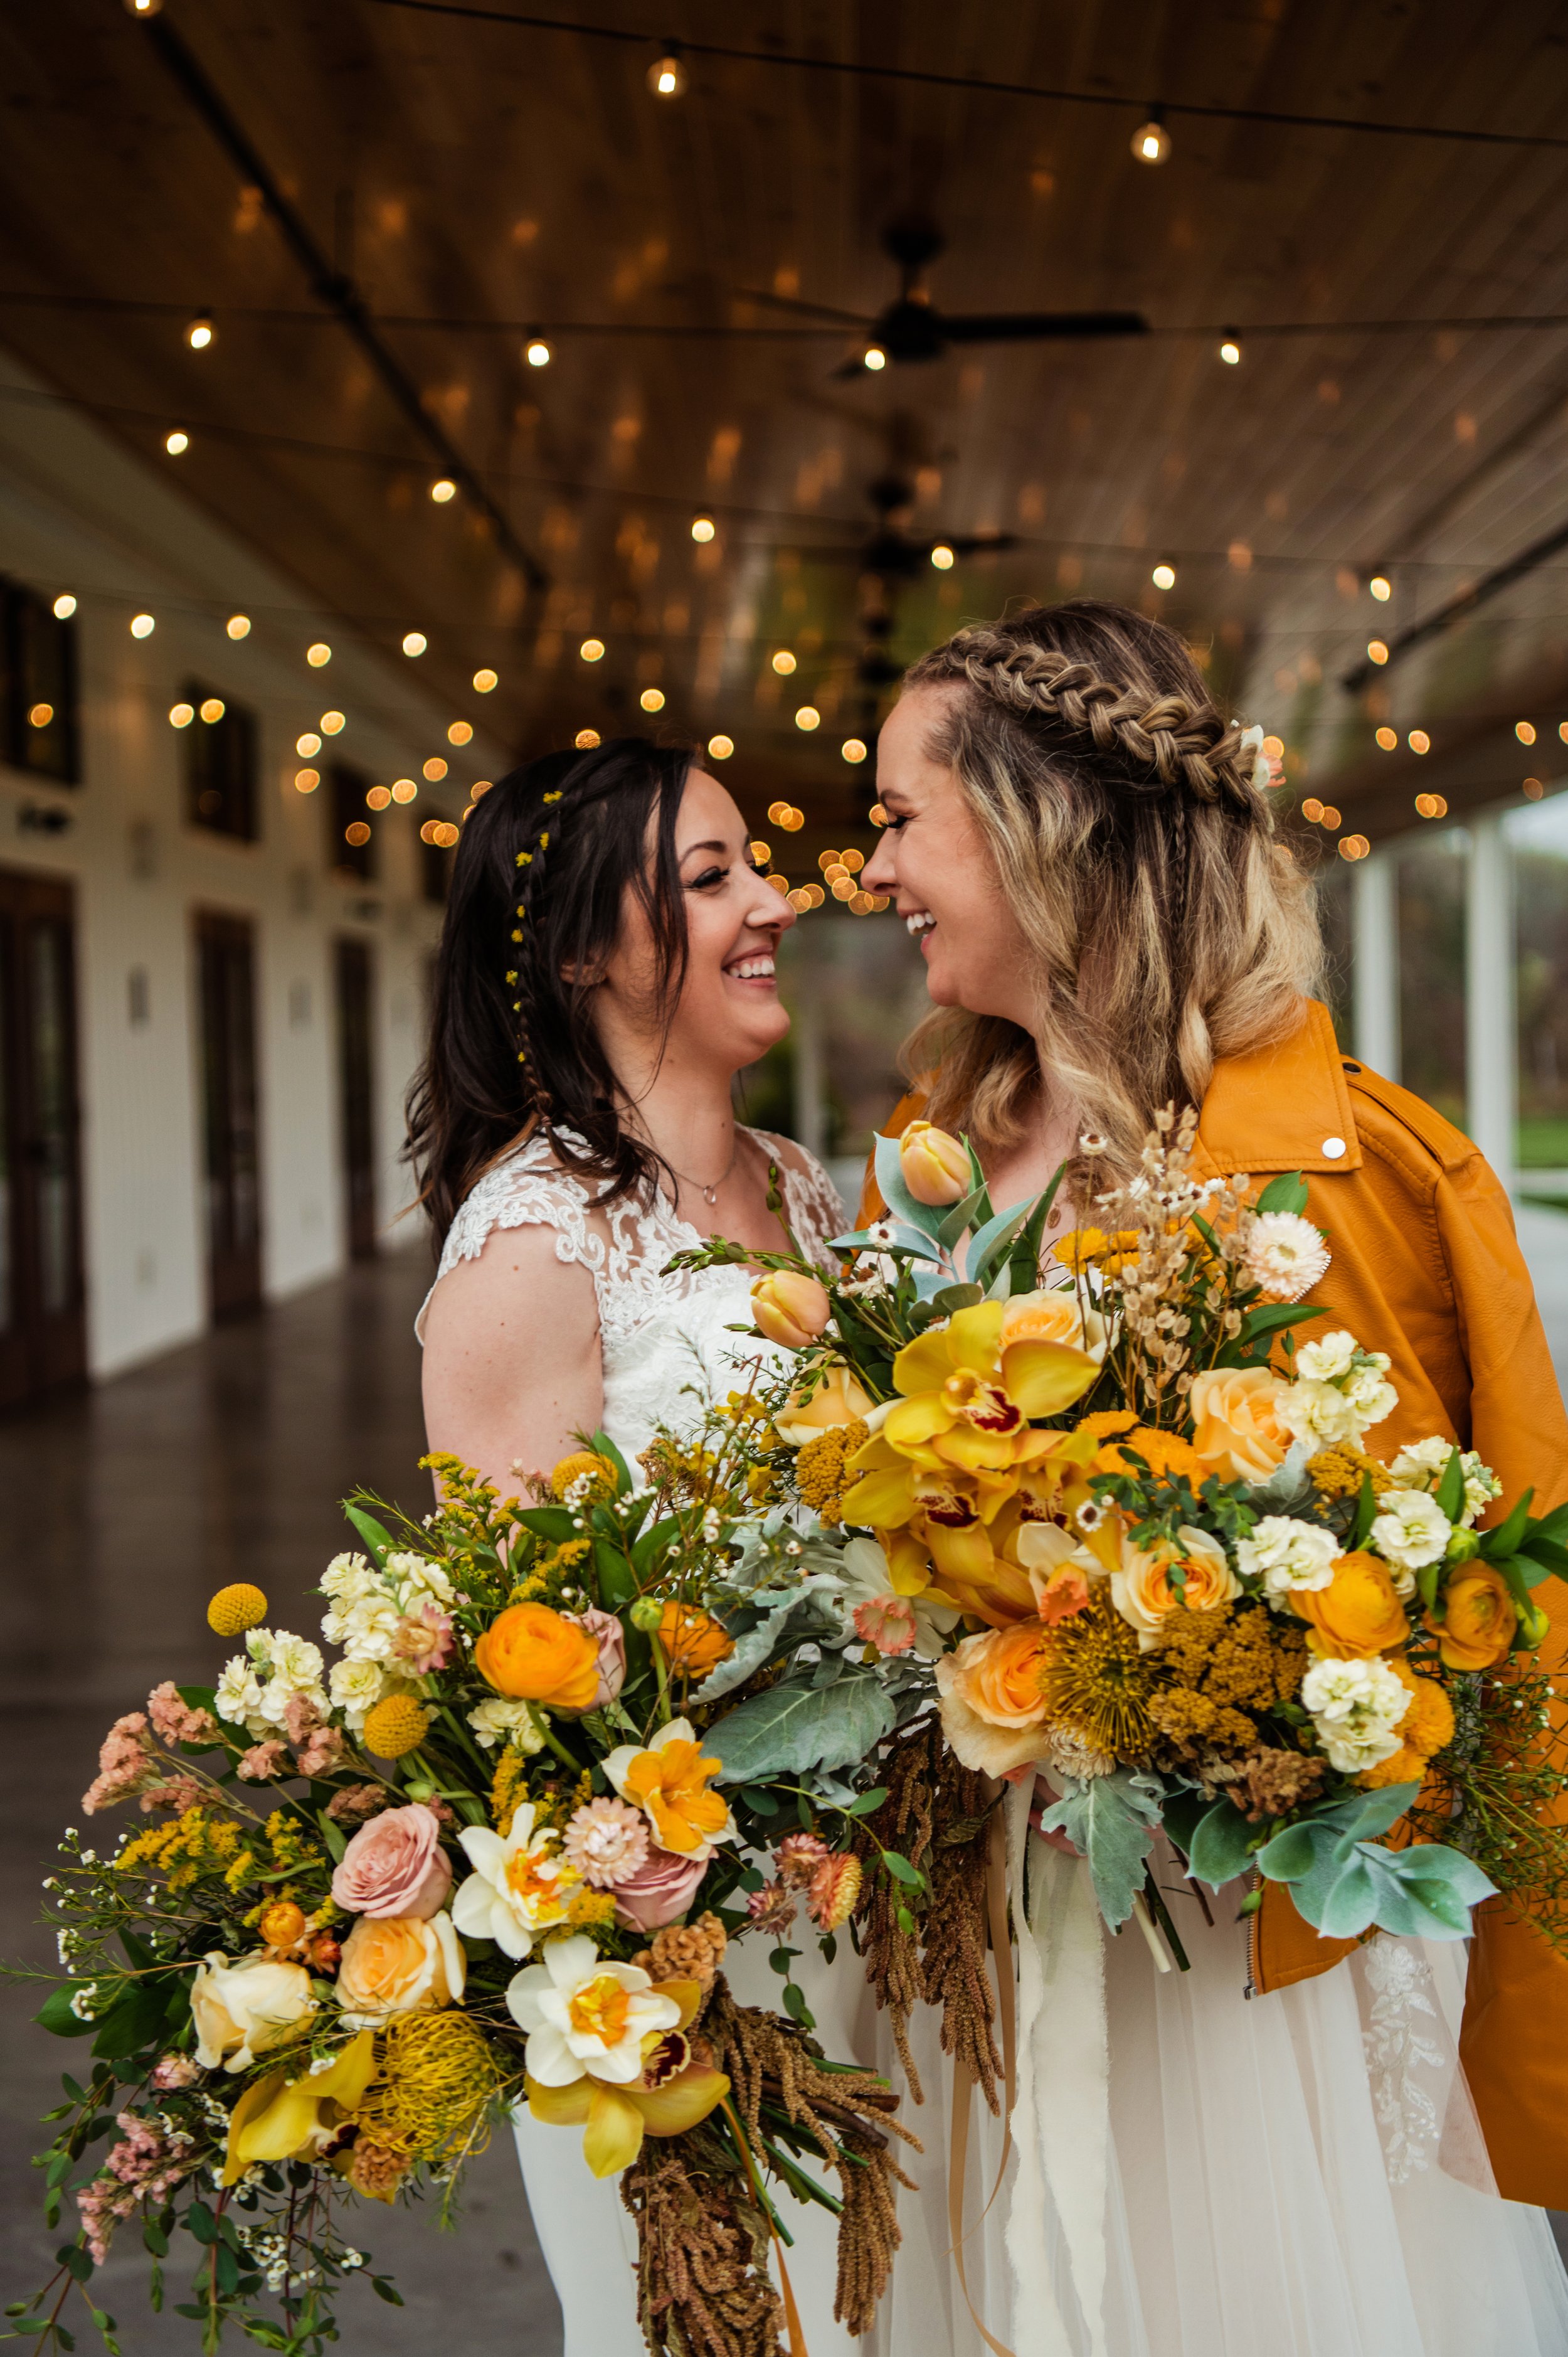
<point>1281,2149</point>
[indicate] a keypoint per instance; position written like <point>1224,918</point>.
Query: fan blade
<point>1038,327</point>
<point>978,544</point>
<point>789,303</point>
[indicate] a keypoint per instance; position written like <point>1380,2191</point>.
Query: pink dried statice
<point>126,1764</point>
<point>174,1719</point>
<point>263,1763</point>
<point>176,2070</point>
<point>179,1793</point>
<point>606,1841</point>
<point>356,1801</point>
<point>301,1718</point>
<point>146,2166</point>
<point>798,1857</point>
<point>320,1752</point>
<point>771,1909</point>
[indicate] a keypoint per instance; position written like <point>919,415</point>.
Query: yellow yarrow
<point>1338,1472</point>
<point>820,1474</point>
<point>509,1788</point>
<point>234,1610</point>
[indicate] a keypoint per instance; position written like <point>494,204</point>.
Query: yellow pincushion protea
<point>234,1610</point>
<point>395,1725</point>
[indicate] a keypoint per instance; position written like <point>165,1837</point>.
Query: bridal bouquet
<point>1141,1524</point>
<point>492,1853</point>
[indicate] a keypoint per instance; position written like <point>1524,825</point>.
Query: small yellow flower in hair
<point>544,842</point>
<point>524,858</point>
<point>555,796</point>
<point>517,937</point>
<point>511,977</point>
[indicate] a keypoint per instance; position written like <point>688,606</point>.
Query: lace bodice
<point>663,1336</point>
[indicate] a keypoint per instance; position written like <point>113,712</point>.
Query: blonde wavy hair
<point>1167,924</point>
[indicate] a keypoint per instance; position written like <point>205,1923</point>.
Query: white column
<point>1490,1047</point>
<point>1374,975</point>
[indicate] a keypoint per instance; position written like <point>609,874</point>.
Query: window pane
<point>49,1015</point>
<point>1432,971</point>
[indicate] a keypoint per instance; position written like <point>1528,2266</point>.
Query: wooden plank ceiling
<point>485,178</point>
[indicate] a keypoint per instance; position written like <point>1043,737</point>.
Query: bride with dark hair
<point>607,969</point>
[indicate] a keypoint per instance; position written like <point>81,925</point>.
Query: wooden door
<point>356,1095</point>
<point>231,1156</point>
<point>43,1332</point>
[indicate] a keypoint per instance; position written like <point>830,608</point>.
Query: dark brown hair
<point>536,906</point>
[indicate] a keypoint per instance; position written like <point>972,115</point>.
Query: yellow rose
<point>838,1399</point>
<point>1357,1614</point>
<point>245,2009</point>
<point>1053,1315</point>
<point>1481,1619</point>
<point>399,1964</point>
<point>531,1654</point>
<point>694,1642</point>
<point>1144,1589</point>
<point>790,1306</point>
<point>934,1166</point>
<point>1238,1435</point>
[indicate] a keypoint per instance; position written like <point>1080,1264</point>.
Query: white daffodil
<point>1356,1706</point>
<point>869,1593</point>
<point>1286,1554</point>
<point>586,2018</point>
<point>501,1721</point>
<point>519,1887</point>
<point>1411,1530</point>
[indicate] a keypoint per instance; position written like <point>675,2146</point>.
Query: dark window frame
<point>221,766</point>
<point>39,658</point>
<point>346,786</point>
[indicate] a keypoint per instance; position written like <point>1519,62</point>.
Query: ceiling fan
<point>912,329</point>
<point>892,553</point>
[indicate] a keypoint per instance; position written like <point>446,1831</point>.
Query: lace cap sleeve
<point>528,1190</point>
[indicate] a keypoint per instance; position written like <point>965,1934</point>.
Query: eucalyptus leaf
<point>796,1727</point>
<point>1222,1845</point>
<point>993,1240</point>
<point>1112,1821</point>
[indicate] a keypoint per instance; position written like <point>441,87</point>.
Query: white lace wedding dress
<point>1300,2174</point>
<point>666,1346</point>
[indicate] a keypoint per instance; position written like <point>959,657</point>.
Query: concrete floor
<point>129,1505</point>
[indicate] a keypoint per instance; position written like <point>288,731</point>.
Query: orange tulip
<point>789,1308</point>
<point>934,1166</point>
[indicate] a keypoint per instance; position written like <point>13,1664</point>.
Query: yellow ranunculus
<point>838,1399</point>
<point>934,1165</point>
<point>1478,1628</point>
<point>531,1654</point>
<point>1357,1614</point>
<point>289,2119</point>
<point>789,1308</point>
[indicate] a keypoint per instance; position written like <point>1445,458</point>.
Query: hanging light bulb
<point>1230,352</point>
<point>64,606</point>
<point>443,490</point>
<point>1151,141</point>
<point>537,352</point>
<point>667,75</point>
<point>702,528</point>
<point>178,442</point>
<point>942,558</point>
<point>201,332</point>
<point>143,8</point>
<point>874,358</point>
<point>415,643</point>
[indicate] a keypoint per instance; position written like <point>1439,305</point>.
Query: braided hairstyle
<point>536,904</point>
<point>1137,851</point>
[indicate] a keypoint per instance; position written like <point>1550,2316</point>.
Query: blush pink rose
<point>610,1637</point>
<point>663,1888</point>
<point>396,1866</point>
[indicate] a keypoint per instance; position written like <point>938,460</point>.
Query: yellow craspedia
<point>395,1725</point>
<point>234,1610</point>
<point>596,1473</point>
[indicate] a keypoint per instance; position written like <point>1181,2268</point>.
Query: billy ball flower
<point>395,1725</point>
<point>234,1610</point>
<point>1285,1255</point>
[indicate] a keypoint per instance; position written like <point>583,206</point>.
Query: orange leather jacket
<point>1426,1266</point>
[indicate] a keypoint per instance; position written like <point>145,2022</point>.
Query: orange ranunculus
<point>790,1306</point>
<point>1239,1433</point>
<point>934,1165</point>
<point>1053,1314</point>
<point>531,1654</point>
<point>1426,1727</point>
<point>1357,1614</point>
<point>694,1642</point>
<point>399,1964</point>
<point>1481,1619</point>
<point>837,1400</point>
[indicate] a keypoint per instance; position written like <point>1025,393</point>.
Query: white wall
<point>79,513</point>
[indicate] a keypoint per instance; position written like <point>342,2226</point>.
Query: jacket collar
<point>1287,1107</point>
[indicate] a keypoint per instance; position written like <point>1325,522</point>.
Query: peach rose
<point>1144,1589</point>
<point>789,1308</point>
<point>394,1866</point>
<point>399,1964</point>
<point>1054,1314</point>
<point>531,1654</point>
<point>838,1399</point>
<point>993,1714</point>
<point>1481,1617</point>
<point>934,1165</point>
<point>1357,1614</point>
<point>1240,1434</point>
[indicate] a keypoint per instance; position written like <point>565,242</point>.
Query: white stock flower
<point>1422,1464</point>
<point>366,1627</point>
<point>1286,1554</point>
<point>1356,1707</point>
<point>1285,1254</point>
<point>1328,1357</point>
<point>1370,1394</point>
<point>501,1721</point>
<point>1411,1530</point>
<point>347,1578</point>
<point>238,1694</point>
<point>355,1688</point>
<point>418,1581</point>
<point>585,2017</point>
<point>1319,1413</point>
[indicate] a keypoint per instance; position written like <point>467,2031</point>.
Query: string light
<point>460,733</point>
<point>1533,790</point>
<point>592,650</point>
<point>1151,141</point>
<point>652,699</point>
<point>1329,817</point>
<point>415,643</point>
<point>1388,739</point>
<point>1274,749</point>
<point>308,744</point>
<point>40,715</point>
<point>1230,352</point>
<point>377,798</point>
<point>702,528</point>
<point>212,710</point>
<point>480,787</point>
<point>537,353</point>
<point>307,781</point>
<point>435,768</point>
<point>761,853</point>
<point>1525,731</point>
<point>237,626</point>
<point>484,681</point>
<point>143,8</point>
<point>1377,651</point>
<point>181,715</point>
<point>585,739</point>
<point>403,790</point>
<point>1354,846</point>
<point>721,746</point>
<point>176,442</point>
<point>142,626</point>
<point>64,606</point>
<point>666,76</point>
<point>356,831</point>
<point>1561,726</point>
<point>1381,587</point>
<point>853,751</point>
<point>1419,741</point>
<point>878,814</point>
<point>1431,806</point>
<point>874,358</point>
<point>780,884</point>
<point>783,663</point>
<point>1312,809</point>
<point>318,655</point>
<point>942,558</point>
<point>1163,576</point>
<point>793,820</point>
<point>201,332</point>
<point>332,724</point>
<point>808,717</point>
<point>443,490</point>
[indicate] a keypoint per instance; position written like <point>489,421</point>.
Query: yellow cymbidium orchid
<point>969,1394</point>
<point>672,2094</point>
<point>281,2118</point>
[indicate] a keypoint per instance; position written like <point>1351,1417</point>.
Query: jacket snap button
<point>1333,1147</point>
